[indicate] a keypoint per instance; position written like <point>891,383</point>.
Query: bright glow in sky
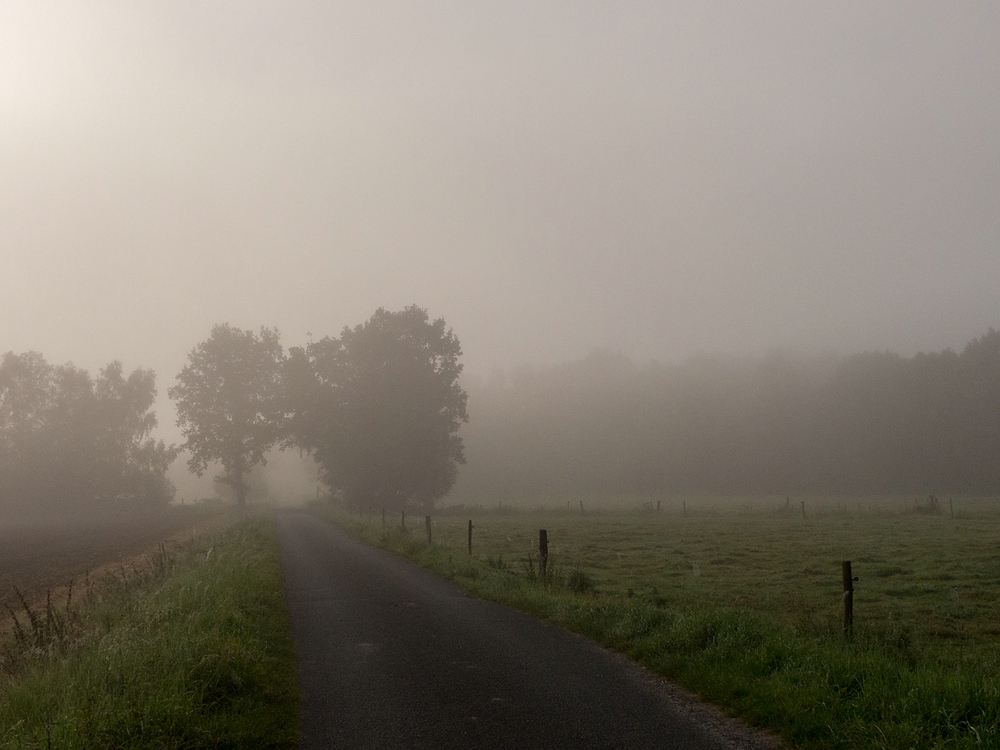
<point>661,178</point>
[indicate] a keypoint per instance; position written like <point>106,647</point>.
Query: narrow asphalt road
<point>392,656</point>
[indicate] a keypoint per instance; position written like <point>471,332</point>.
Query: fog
<point>713,425</point>
<point>660,179</point>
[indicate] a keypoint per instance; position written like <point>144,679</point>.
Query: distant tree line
<point>73,443</point>
<point>380,409</point>
<point>870,423</point>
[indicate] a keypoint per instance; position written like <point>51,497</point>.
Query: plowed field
<point>35,558</point>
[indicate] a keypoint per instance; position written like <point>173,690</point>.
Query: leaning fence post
<point>543,551</point>
<point>427,520</point>
<point>848,598</point>
<point>470,536</point>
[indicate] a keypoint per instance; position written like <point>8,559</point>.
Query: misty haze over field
<point>659,179</point>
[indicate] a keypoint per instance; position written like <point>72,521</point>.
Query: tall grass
<point>189,650</point>
<point>778,661</point>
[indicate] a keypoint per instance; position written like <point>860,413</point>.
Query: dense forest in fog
<point>869,423</point>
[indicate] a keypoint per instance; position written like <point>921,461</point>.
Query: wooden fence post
<point>684,510</point>
<point>803,508</point>
<point>383,517</point>
<point>581,507</point>
<point>470,536</point>
<point>543,551</point>
<point>402,522</point>
<point>848,598</point>
<point>427,520</point>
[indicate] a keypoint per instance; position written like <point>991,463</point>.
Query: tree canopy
<point>379,408</point>
<point>72,443</point>
<point>230,402</point>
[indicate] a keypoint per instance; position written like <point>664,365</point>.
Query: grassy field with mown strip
<point>193,649</point>
<point>741,601</point>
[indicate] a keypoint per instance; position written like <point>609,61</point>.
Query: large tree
<point>379,408</point>
<point>230,402</point>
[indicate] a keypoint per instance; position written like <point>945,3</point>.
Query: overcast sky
<point>662,178</point>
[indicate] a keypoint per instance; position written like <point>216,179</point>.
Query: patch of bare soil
<point>42,557</point>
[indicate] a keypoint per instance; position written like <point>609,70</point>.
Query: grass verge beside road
<point>191,650</point>
<point>743,609</point>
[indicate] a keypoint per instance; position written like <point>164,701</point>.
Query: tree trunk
<point>240,488</point>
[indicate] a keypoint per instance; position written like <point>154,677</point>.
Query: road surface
<point>393,656</point>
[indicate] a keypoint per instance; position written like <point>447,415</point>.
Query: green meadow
<point>741,601</point>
